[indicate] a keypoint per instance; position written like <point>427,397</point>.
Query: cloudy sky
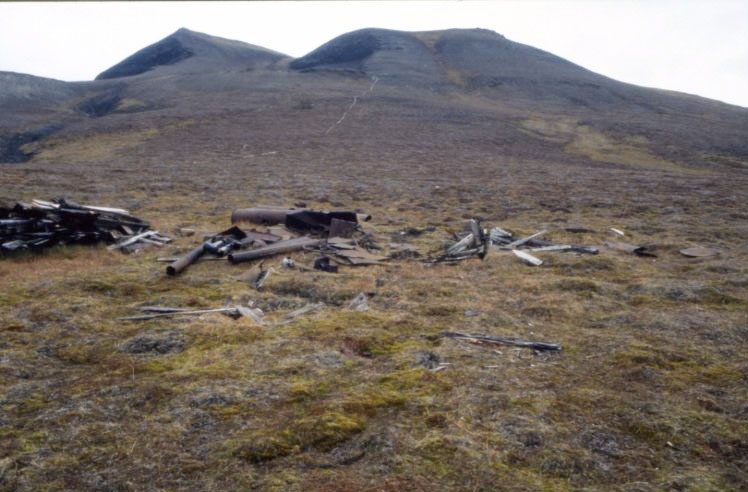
<point>694,46</point>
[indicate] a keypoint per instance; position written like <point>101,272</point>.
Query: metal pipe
<point>185,261</point>
<point>262,216</point>
<point>295,244</point>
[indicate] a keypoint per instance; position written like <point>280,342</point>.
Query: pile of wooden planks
<point>41,224</point>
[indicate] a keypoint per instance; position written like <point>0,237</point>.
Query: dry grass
<point>649,392</point>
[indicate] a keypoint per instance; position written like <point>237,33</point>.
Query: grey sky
<point>694,46</point>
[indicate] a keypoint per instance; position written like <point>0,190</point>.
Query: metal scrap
<point>323,263</point>
<point>220,245</point>
<point>330,233</point>
<point>300,220</point>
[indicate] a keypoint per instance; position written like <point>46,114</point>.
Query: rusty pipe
<point>262,216</point>
<point>280,247</point>
<point>185,261</point>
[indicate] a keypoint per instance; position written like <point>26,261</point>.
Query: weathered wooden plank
<point>555,247</point>
<point>520,242</point>
<point>527,258</point>
<point>494,340</point>
<point>461,245</point>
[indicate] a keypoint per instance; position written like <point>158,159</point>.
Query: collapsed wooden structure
<point>42,224</point>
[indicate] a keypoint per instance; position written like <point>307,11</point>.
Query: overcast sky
<point>694,46</point>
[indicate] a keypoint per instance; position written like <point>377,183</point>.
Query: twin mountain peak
<point>457,56</point>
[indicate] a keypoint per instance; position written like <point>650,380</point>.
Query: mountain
<point>191,48</point>
<point>470,84</point>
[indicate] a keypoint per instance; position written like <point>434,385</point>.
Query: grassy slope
<point>648,394</point>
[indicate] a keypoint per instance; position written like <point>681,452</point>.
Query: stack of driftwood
<point>41,224</point>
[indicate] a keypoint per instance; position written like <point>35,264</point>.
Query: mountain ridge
<point>519,89</point>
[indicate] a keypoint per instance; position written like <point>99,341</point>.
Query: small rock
<point>160,343</point>
<point>359,303</point>
<point>429,360</point>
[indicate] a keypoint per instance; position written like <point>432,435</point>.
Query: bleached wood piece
<point>132,240</point>
<point>520,242</point>
<point>527,258</point>
<point>461,245</point>
<point>555,247</point>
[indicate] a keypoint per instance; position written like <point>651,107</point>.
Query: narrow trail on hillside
<point>353,103</point>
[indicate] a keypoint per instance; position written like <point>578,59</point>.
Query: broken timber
<point>527,258</point>
<point>492,340</point>
<point>504,240</point>
<point>233,312</point>
<point>42,224</point>
<point>520,242</point>
<point>474,244</point>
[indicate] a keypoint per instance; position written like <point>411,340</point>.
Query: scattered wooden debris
<point>128,244</point>
<point>493,340</point>
<point>505,241</point>
<point>473,245</point>
<point>339,238</point>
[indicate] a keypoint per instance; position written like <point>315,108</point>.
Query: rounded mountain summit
<point>197,50</point>
<point>465,57</point>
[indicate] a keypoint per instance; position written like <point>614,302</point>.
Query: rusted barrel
<point>262,216</point>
